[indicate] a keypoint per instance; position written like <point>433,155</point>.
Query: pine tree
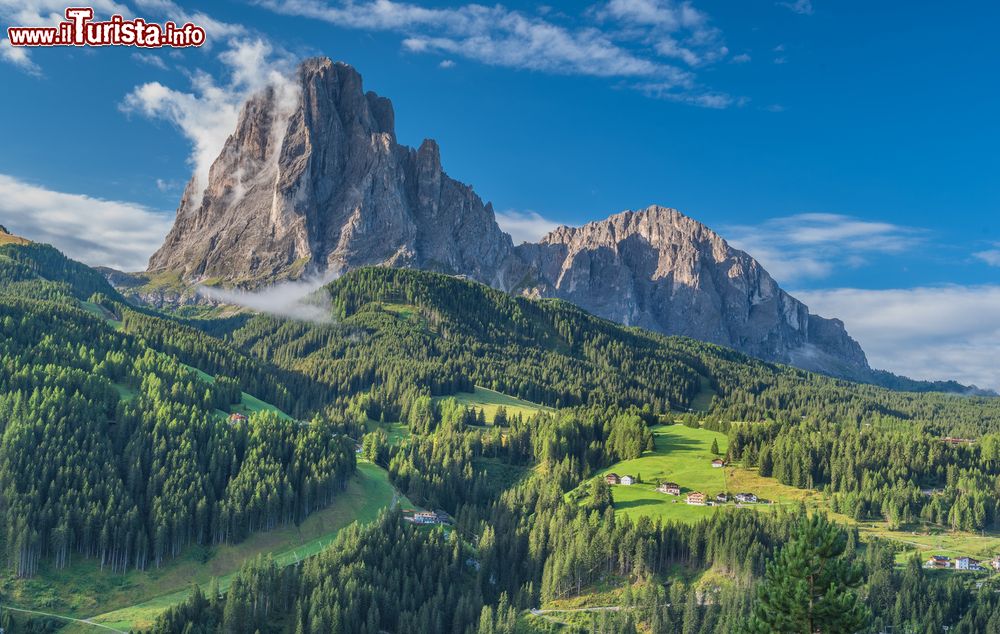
<point>600,494</point>
<point>809,587</point>
<point>715,446</point>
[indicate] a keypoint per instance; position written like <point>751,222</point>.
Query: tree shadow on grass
<point>631,504</point>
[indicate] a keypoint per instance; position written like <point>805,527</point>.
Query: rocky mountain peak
<point>320,186</point>
<point>313,181</point>
<point>659,269</point>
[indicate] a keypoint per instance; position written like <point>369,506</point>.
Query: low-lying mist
<point>294,299</point>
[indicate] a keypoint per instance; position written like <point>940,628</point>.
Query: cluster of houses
<point>426,518</point>
<point>962,563</point>
<point>697,498</point>
<point>614,478</point>
<point>700,499</point>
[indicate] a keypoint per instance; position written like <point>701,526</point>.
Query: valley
<point>133,601</point>
<point>402,370</point>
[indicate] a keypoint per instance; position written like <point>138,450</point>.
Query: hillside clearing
<point>489,401</point>
<point>248,404</point>
<point>684,455</point>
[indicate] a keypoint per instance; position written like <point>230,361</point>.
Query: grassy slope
<point>703,401</point>
<point>7,238</point>
<point>248,404</point>
<point>490,401</point>
<point>135,599</point>
<point>683,455</point>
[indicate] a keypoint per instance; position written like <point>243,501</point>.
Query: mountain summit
<point>314,182</point>
<point>324,186</point>
<point>664,271</point>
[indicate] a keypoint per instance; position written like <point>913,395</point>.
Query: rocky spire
<point>323,187</point>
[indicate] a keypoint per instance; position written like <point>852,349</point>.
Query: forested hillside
<point>401,332</point>
<point>114,447</point>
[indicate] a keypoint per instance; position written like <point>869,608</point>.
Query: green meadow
<point>681,454</point>
<point>684,455</point>
<point>489,401</point>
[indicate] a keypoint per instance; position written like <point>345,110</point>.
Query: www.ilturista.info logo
<point>79,29</point>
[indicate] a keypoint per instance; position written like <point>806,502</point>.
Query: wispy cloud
<point>990,256</point>
<point>295,300</point>
<point>802,7</point>
<point>150,59</point>
<point>931,333</point>
<point>640,41</point>
<point>812,245</point>
<point>674,30</point>
<point>207,112</point>
<point>95,231</point>
<point>524,226</point>
<point>18,56</point>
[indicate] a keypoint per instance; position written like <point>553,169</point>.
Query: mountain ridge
<point>323,186</point>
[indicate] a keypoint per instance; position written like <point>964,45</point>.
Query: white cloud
<point>991,256</point>
<point>18,56</point>
<point>207,114</point>
<point>931,333</point>
<point>679,30</point>
<point>295,299</point>
<point>812,245</point>
<point>524,226</point>
<point>95,231</point>
<point>665,90</point>
<point>447,63</point>
<point>150,59</point>
<point>802,7</point>
<point>168,10</point>
<point>642,37</point>
<point>742,58</point>
<point>168,186</point>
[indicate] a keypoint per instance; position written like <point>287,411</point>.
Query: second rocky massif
<point>313,181</point>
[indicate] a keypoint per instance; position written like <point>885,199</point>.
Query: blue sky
<point>850,146</point>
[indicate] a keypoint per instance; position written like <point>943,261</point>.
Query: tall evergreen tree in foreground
<point>809,587</point>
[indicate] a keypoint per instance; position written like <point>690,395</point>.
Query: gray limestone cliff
<point>323,186</point>
<point>661,270</point>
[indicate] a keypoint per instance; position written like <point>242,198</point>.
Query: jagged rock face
<point>323,186</point>
<point>663,271</point>
<point>315,182</point>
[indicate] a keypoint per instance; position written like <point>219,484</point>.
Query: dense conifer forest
<point>115,447</point>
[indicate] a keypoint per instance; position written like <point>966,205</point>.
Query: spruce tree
<point>808,587</point>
